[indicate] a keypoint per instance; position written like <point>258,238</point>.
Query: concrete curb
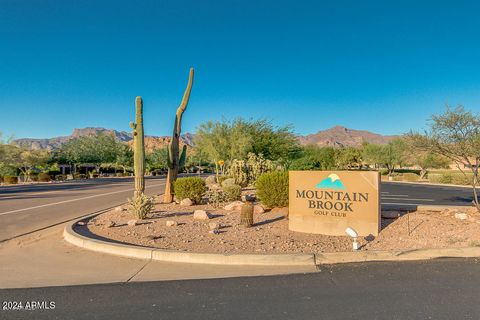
<point>131,251</point>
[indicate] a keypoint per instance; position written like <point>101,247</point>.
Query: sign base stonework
<point>329,202</point>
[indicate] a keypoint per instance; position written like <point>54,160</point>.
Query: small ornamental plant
<point>272,189</point>
<point>191,187</point>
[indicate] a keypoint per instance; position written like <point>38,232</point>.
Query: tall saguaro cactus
<point>175,160</point>
<point>138,148</point>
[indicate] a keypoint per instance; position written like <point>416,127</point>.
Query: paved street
<point>27,208</point>
<point>423,194</point>
<point>440,289</point>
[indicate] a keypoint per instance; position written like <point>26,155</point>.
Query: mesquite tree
<point>454,134</point>
<point>174,159</point>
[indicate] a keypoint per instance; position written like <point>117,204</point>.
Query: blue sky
<point>383,66</point>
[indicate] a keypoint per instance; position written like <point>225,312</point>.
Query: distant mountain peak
<point>56,142</point>
<point>339,136</point>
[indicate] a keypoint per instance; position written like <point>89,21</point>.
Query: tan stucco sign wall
<point>328,202</point>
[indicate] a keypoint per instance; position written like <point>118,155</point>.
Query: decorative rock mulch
<point>173,226</point>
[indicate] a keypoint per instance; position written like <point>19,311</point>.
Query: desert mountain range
<point>337,136</point>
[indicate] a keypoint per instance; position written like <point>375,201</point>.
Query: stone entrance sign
<point>328,202</point>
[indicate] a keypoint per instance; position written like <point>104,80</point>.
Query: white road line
<point>72,200</point>
<point>395,195</point>
<point>401,203</point>
<point>412,199</point>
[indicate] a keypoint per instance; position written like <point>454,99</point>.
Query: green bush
<point>10,180</point>
<point>119,174</point>
<point>210,180</point>
<point>272,188</point>
<point>33,177</point>
<point>44,177</point>
<point>232,192</point>
<point>190,187</point>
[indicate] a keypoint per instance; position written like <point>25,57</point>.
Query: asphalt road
<point>439,289</point>
<point>422,194</point>
<point>26,208</point>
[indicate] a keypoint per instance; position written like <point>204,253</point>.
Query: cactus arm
<point>169,156</point>
<point>183,105</point>
<point>183,157</point>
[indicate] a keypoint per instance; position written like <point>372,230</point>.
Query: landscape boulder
<point>213,226</point>
<point>201,215</point>
<point>171,223</point>
<point>186,202</point>
<point>461,216</point>
<point>210,180</point>
<point>234,206</point>
<point>132,223</point>
<point>258,209</point>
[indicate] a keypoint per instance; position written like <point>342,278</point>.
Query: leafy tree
<point>455,134</point>
<point>157,159</point>
<point>348,157</point>
<point>228,140</point>
<point>93,149</point>
<point>28,160</point>
<point>124,157</point>
<point>274,143</point>
<point>312,157</point>
<point>388,156</point>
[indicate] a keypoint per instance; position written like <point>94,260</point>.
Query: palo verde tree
<point>455,134</point>
<point>175,160</point>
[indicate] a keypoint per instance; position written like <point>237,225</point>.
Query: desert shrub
<point>210,180</point>
<point>190,187</point>
<point>232,192</point>
<point>44,177</point>
<point>228,182</point>
<point>119,174</point>
<point>461,179</point>
<point>216,197</point>
<point>33,177</point>
<point>442,178</point>
<point>10,180</point>
<point>1,179</point>
<point>435,177</point>
<point>409,176</point>
<point>79,176</point>
<point>272,188</point>
<point>140,206</point>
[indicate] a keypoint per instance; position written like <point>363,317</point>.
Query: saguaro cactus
<point>175,160</point>
<point>138,148</point>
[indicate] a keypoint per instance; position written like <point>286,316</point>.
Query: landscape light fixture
<point>354,235</point>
